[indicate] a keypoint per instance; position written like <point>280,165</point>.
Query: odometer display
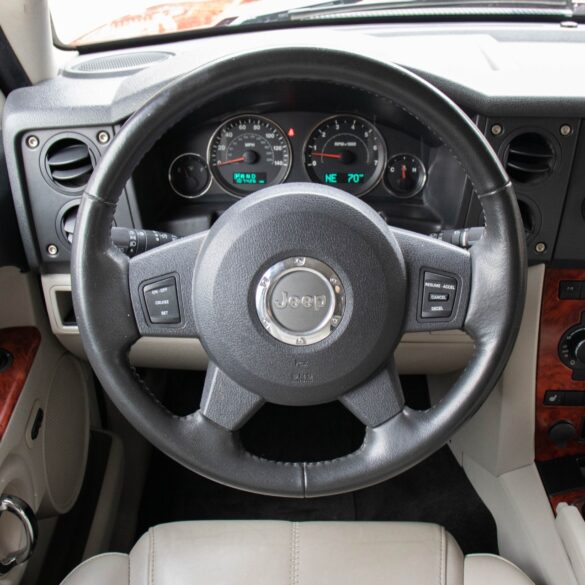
<point>249,153</point>
<point>249,178</point>
<point>347,152</point>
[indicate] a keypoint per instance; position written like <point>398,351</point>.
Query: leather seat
<point>308,553</point>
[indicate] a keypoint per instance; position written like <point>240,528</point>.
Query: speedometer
<point>249,153</point>
<point>346,152</point>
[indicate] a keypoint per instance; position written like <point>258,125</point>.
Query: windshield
<point>80,23</point>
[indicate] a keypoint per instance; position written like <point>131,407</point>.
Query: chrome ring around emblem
<point>300,300</point>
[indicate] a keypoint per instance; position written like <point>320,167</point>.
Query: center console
<point>560,387</point>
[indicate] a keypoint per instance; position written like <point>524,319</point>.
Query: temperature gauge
<point>405,176</point>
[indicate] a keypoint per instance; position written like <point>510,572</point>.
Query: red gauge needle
<point>326,155</point>
<point>403,169</point>
<point>230,162</point>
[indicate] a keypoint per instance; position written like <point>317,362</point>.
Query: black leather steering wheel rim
<point>208,444</point>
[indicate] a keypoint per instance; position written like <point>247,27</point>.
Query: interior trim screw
<point>103,137</point>
<point>497,129</point>
<point>32,141</point>
<point>566,130</point>
<point>52,250</point>
<point>540,248</point>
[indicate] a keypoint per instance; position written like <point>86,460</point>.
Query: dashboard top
<point>509,69</point>
<point>524,78</point>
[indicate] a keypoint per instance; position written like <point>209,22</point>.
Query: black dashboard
<point>55,133</point>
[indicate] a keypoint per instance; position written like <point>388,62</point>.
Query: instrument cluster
<point>248,152</point>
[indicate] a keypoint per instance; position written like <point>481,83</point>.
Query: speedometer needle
<point>327,155</point>
<point>230,162</point>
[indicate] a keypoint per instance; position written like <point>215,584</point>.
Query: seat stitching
<point>292,550</point>
<point>152,553</point>
<point>294,576</point>
<point>442,554</point>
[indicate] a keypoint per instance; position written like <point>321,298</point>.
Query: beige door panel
<point>46,471</point>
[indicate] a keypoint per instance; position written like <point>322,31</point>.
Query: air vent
<point>530,157</point>
<point>69,163</point>
<point>116,64</point>
<point>68,221</point>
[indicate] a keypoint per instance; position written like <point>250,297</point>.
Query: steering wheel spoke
<point>378,399</point>
<point>161,287</point>
<point>439,282</point>
<point>225,402</point>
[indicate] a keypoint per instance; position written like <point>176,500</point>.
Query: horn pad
<point>299,293</point>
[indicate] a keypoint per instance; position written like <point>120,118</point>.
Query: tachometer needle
<point>230,162</point>
<point>327,155</point>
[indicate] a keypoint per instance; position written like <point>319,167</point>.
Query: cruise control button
<point>439,296</point>
<point>434,297</point>
<point>161,302</point>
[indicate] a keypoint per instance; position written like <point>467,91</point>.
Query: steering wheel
<point>300,292</point>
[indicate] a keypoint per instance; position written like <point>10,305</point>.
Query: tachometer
<point>347,152</point>
<point>248,153</point>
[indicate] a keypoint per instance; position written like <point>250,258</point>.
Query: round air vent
<point>68,221</point>
<point>530,157</point>
<point>69,163</point>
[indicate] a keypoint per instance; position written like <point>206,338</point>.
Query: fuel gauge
<point>405,176</point>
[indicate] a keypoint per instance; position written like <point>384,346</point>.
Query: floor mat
<point>437,490</point>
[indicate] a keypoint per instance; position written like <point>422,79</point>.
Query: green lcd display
<point>249,178</point>
<point>344,178</point>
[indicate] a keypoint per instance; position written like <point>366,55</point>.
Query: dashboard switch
<point>438,296</point>
<point>161,302</point>
<point>554,398</point>
<point>569,289</point>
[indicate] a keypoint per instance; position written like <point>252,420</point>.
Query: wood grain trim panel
<point>556,317</point>
<point>572,497</point>
<point>22,343</point>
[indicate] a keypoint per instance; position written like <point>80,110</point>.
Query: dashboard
<point>56,133</point>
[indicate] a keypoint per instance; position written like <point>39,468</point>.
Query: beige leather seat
<point>308,553</point>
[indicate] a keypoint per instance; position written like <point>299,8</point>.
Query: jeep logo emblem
<point>300,300</point>
<point>315,302</point>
